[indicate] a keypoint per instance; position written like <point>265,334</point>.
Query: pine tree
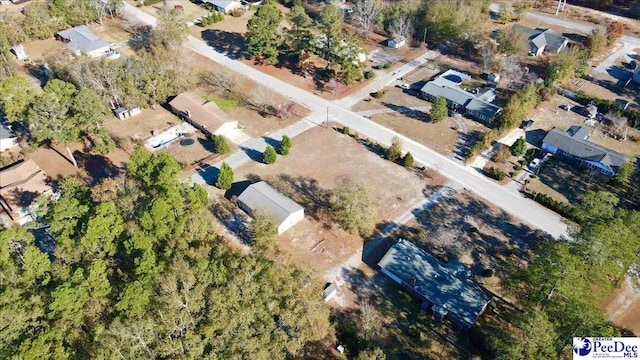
<point>407,160</point>
<point>285,145</point>
<point>439,110</point>
<point>269,155</point>
<point>220,144</point>
<point>225,177</point>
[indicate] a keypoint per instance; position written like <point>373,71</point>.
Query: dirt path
<point>623,306</point>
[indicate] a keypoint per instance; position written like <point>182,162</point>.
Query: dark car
<point>526,124</point>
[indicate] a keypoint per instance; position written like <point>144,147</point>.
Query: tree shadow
<point>534,137</point>
<point>306,192</point>
<point>232,219</point>
<point>576,37</point>
<point>271,142</point>
<point>253,154</point>
<point>464,143</point>
<point>229,43</point>
<point>409,112</point>
<point>97,166</point>
<point>206,144</point>
<point>23,198</point>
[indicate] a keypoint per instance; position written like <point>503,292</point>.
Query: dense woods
<point>139,273</point>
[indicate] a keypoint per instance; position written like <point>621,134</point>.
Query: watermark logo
<point>606,348</point>
<point>581,346</point>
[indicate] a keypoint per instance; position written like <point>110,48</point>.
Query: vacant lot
<point>112,30</point>
<point>190,10</point>
<point>319,159</point>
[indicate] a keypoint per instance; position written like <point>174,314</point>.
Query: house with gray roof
<point>261,196</point>
<point>542,40</point>
<point>446,290</point>
<point>572,145</point>
<point>225,6</point>
<point>82,41</point>
<point>476,105</point>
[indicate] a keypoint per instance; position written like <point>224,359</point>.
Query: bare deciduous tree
<point>223,81</point>
<point>403,26</point>
<point>259,98</point>
<point>510,68</point>
<point>366,13</point>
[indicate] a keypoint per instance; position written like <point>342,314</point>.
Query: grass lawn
<point>225,103</point>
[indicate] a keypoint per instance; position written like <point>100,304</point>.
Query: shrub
<point>517,167</point>
<point>502,154</point>
<point>236,12</point>
<point>439,109</point>
<point>407,160</point>
<point>562,208</point>
<point>346,130</point>
<point>225,177</point>
<point>269,155</point>
<point>394,152</point>
<point>496,173</point>
<point>220,144</point>
<point>377,67</point>
<point>386,66</point>
<point>378,94</point>
<point>519,147</point>
<point>487,273</point>
<point>285,145</point>
<point>369,74</point>
<point>625,171</point>
<point>212,18</point>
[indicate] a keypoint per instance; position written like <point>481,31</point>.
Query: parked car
<point>533,165</point>
<point>526,124</point>
<point>404,86</point>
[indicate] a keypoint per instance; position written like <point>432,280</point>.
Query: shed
<point>397,42</point>
<point>329,292</point>
<point>8,139</point>
<point>123,113</point>
<point>261,196</point>
<point>19,52</point>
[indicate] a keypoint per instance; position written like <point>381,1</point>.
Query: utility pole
<point>424,38</point>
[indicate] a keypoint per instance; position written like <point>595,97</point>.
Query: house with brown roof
<point>20,185</point>
<point>205,115</point>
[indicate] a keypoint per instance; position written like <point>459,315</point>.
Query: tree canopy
<point>263,34</point>
<point>138,272</point>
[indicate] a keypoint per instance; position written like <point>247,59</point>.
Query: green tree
<point>16,93</point>
<point>263,33</point>
<point>439,110</point>
<point>624,172</point>
<point>519,106</point>
<point>171,31</point>
<point>566,64</point>
<point>519,147</point>
<point>220,144</point>
<point>354,207</point>
<point>269,155</point>
<point>299,37</point>
<point>351,71</point>
<point>394,152</point>
<point>330,24</point>
<point>597,41</point>
<point>372,354</point>
<point>407,160</point>
<point>596,206</point>
<point>285,145</point>
<point>264,231</point>
<point>534,340</point>
<point>225,177</point>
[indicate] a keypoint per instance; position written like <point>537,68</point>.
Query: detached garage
<point>261,196</point>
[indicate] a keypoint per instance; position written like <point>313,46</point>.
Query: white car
<point>404,86</point>
<point>533,165</point>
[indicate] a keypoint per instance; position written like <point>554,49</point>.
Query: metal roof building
<point>261,196</point>
<point>447,291</point>
<point>82,41</point>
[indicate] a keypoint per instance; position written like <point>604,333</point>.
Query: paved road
<point>515,205</point>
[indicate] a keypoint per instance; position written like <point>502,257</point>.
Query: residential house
<point>476,105</point>
<point>573,146</point>
<point>20,185</point>
<point>261,196</point>
<point>19,52</point>
<point>82,41</point>
<point>204,115</point>
<point>225,6</point>
<point>542,40</point>
<point>8,139</point>
<point>444,289</point>
<point>397,42</point>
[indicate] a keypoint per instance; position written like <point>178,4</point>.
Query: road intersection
<point>339,112</point>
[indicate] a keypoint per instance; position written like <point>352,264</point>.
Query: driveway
<point>522,208</point>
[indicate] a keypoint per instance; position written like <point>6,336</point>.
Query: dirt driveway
<point>623,306</point>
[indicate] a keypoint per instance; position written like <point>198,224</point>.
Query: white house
<point>8,139</point>
<point>82,41</point>
<point>225,6</point>
<point>204,115</point>
<point>261,196</point>
<point>397,42</point>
